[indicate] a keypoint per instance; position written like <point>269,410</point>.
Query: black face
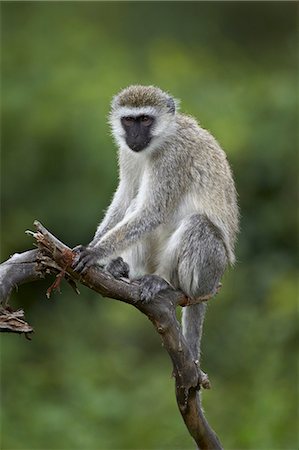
<point>138,131</point>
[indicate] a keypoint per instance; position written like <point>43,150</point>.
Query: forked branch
<point>54,257</point>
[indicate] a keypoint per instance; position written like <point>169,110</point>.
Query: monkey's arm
<point>156,198</point>
<point>115,213</point>
<point>122,236</point>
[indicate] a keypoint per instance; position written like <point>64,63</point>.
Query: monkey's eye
<point>128,121</point>
<point>146,120</point>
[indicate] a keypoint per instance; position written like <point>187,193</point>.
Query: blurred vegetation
<point>95,375</point>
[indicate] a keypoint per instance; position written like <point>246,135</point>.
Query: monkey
<point>174,217</point>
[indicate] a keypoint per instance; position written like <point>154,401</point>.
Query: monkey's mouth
<point>138,145</point>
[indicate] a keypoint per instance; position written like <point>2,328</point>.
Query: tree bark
<point>54,257</point>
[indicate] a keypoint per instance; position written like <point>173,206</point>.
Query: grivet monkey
<point>174,215</point>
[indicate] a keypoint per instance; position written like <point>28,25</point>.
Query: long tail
<point>192,322</point>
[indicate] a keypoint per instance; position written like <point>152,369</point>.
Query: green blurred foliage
<point>95,375</point>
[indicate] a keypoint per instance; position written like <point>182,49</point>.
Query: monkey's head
<point>142,117</point>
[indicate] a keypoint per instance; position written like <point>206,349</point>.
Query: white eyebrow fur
<point>134,111</point>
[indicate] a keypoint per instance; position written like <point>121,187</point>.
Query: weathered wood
<point>52,256</point>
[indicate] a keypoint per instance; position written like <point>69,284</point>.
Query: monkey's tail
<point>192,323</point>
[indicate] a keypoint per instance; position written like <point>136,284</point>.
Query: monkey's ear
<point>171,105</point>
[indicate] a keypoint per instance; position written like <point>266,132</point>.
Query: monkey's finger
<point>78,251</point>
<point>86,260</point>
<point>146,295</point>
<point>82,254</point>
<point>79,266</point>
<point>81,262</point>
<point>78,248</point>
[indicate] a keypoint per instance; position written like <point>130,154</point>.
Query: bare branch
<point>52,256</point>
<point>13,321</point>
<point>18,269</point>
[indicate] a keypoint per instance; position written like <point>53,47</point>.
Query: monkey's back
<point>213,193</point>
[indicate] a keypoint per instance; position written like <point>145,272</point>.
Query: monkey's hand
<point>150,286</point>
<point>87,257</point>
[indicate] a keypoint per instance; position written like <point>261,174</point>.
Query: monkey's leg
<point>194,261</point>
<point>202,261</point>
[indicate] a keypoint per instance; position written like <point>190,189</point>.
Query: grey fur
<point>198,272</point>
<point>150,286</point>
<point>118,268</point>
<point>175,211</point>
<point>200,259</point>
<point>192,323</point>
<point>136,96</point>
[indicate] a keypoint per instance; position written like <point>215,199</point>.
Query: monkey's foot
<point>150,286</point>
<point>118,268</point>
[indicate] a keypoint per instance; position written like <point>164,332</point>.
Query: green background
<point>95,375</point>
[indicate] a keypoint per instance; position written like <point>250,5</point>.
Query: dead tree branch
<point>53,257</point>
